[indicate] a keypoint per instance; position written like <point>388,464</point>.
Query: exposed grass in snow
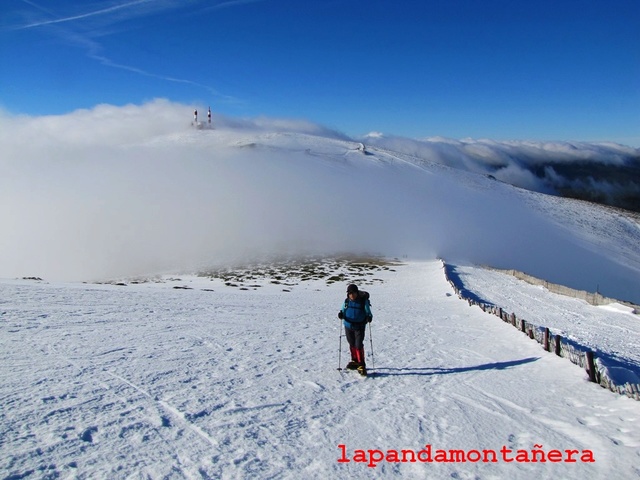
<point>344,269</point>
<point>288,272</point>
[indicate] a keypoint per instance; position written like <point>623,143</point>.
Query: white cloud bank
<point>119,191</point>
<point>102,192</point>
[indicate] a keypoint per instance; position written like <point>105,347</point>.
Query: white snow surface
<point>149,381</point>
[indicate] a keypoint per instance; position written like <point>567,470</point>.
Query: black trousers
<point>355,336</point>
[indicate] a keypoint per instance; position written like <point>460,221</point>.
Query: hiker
<point>195,116</point>
<point>355,314</point>
<point>209,116</point>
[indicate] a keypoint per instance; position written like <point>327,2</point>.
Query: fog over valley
<point>137,190</point>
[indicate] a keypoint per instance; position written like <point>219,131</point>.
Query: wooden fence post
<point>558,345</point>
<point>591,366</point>
<point>546,339</point>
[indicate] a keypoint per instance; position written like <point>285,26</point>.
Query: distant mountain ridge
<point>603,173</point>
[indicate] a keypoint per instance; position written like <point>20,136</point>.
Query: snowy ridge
<point>603,172</point>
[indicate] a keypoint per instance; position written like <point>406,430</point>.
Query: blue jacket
<point>355,312</point>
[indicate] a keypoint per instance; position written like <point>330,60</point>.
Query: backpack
<point>361,300</point>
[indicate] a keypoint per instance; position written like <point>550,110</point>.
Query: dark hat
<point>352,288</point>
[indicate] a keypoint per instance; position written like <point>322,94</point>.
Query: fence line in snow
<point>592,298</point>
<point>578,354</point>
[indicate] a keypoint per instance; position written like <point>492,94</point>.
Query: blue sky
<point>498,69</point>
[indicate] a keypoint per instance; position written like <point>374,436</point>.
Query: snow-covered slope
<point>217,381</point>
<point>612,330</point>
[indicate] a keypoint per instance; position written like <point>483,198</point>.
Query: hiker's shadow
<point>426,371</point>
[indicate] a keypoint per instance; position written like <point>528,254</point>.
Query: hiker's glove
<point>340,315</point>
<point>369,319</point>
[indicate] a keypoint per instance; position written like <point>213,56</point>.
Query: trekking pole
<point>340,346</point>
<point>373,358</point>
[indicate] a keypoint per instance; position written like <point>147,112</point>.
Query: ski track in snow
<point>144,381</point>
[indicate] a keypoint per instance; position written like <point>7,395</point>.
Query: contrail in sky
<point>103,11</point>
<point>94,49</point>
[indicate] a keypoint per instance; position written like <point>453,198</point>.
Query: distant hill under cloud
<point>603,173</point>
